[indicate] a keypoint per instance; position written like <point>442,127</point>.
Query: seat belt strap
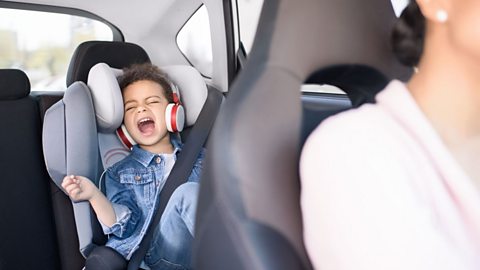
<point>181,169</point>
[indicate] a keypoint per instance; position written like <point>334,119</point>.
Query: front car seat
<point>249,211</point>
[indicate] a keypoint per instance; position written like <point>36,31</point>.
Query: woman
<point>395,185</point>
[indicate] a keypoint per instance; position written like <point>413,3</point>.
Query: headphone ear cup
<point>125,137</point>
<point>174,117</point>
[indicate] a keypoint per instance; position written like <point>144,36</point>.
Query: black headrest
<point>115,54</point>
<point>14,84</point>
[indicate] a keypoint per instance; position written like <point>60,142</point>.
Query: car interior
<point>249,211</point>
<point>253,218</point>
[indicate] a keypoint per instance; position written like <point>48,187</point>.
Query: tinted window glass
<point>248,15</point>
<point>42,43</point>
<point>194,40</point>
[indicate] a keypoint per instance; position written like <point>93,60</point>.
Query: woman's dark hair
<point>149,72</point>
<point>408,35</point>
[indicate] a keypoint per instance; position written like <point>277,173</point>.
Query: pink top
<point>380,190</point>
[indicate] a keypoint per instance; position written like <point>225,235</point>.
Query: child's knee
<point>186,193</point>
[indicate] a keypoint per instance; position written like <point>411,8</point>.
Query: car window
<point>42,43</point>
<point>321,88</point>
<point>248,16</point>
<point>194,40</point>
<point>399,5</point>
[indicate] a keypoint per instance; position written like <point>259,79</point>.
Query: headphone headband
<point>176,100</point>
<point>175,93</point>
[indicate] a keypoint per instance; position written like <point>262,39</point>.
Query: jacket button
<point>158,160</point>
<point>138,177</point>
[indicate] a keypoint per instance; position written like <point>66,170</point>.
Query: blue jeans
<point>172,241</point>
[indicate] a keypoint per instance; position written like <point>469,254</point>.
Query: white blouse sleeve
<point>360,211</point>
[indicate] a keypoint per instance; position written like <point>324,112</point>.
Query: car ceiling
<point>154,26</point>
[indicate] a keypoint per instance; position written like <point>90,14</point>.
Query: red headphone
<point>174,113</point>
<point>174,119</point>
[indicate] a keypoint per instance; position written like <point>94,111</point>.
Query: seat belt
<point>181,169</point>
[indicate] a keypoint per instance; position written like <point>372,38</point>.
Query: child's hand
<point>79,188</point>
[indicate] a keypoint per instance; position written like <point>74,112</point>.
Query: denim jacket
<point>133,185</point>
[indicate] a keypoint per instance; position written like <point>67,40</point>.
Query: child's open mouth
<point>146,126</point>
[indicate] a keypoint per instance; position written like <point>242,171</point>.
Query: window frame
<point>117,35</point>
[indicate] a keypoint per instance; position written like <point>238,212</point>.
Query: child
<point>134,183</point>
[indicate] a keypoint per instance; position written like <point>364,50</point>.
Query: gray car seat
<point>249,212</point>
<point>70,140</point>
<point>108,105</point>
<point>79,131</point>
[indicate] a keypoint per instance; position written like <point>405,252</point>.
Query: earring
<point>442,15</point>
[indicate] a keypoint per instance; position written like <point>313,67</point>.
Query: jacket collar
<point>145,157</point>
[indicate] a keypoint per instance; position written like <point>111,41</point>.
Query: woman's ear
<point>435,10</point>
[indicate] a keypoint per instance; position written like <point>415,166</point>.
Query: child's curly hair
<point>149,72</point>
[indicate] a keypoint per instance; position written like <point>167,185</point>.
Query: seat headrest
<point>115,54</point>
<point>14,84</point>
<point>108,102</point>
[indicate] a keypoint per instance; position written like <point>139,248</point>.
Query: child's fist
<point>79,188</point>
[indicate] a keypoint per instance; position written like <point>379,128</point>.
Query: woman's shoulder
<point>367,137</point>
<point>371,126</point>
<point>356,147</point>
<point>356,125</point>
